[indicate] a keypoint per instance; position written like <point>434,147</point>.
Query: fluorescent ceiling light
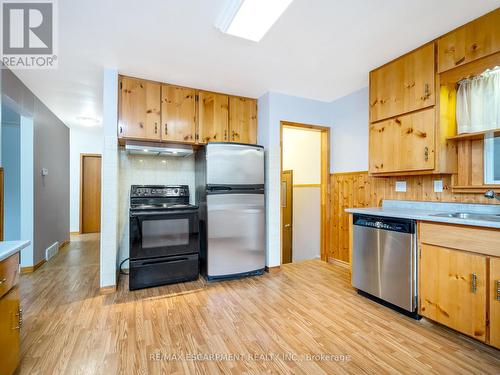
<point>251,19</point>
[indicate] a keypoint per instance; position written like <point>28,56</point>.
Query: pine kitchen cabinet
<point>403,143</point>
<point>403,85</point>
<point>139,109</point>
<point>213,117</point>
<point>242,120</point>
<point>459,275</point>
<point>470,42</point>
<point>178,114</point>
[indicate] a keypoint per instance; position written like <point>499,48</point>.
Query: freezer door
<point>234,164</point>
<point>236,234</point>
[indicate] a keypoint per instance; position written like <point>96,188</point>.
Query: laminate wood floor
<point>304,319</point>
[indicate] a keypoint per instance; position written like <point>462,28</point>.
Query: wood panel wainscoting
<point>358,189</point>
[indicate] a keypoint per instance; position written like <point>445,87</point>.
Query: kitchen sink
<point>470,216</point>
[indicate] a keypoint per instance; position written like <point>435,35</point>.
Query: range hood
<point>158,149</point>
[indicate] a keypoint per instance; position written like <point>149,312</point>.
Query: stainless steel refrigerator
<point>230,193</point>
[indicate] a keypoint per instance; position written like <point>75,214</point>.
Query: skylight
<point>251,19</point>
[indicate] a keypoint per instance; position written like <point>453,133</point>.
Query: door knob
<point>288,226</point>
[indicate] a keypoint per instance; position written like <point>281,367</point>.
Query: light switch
<point>438,186</point>
<point>401,186</point>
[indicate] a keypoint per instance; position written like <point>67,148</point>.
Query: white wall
<point>82,141</point>
<point>349,136</point>
<point>302,154</point>
<point>273,108</point>
<point>148,170</point>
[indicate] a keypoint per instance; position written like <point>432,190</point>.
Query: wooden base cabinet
<point>453,289</point>
<point>495,302</point>
<point>10,326</point>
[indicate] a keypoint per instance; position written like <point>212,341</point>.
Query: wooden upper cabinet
<point>178,114</point>
<point>139,109</point>
<point>472,41</point>
<point>404,85</point>
<point>403,143</point>
<point>495,302</point>
<point>213,117</point>
<point>242,120</point>
<point>452,289</point>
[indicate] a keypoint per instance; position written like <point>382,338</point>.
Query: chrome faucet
<point>490,194</point>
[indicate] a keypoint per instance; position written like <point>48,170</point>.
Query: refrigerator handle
<point>220,188</point>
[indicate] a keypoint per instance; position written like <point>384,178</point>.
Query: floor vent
<point>51,250</point>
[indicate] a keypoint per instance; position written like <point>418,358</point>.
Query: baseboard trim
<point>273,269</point>
<point>107,289</point>
<point>31,269</point>
<point>64,243</point>
<point>74,233</point>
<point>339,262</point>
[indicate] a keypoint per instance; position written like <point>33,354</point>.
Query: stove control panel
<point>159,191</point>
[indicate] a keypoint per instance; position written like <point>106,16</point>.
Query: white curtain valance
<point>478,102</point>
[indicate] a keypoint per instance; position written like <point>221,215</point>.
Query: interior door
<point>286,216</point>
<point>139,112</point>
<point>213,117</point>
<point>90,194</point>
<point>178,114</point>
<point>453,289</point>
<point>243,120</point>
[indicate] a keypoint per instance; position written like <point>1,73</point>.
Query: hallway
<point>306,309</point>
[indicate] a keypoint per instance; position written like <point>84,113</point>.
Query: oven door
<point>159,234</point>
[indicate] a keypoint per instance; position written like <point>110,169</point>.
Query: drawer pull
<point>3,281</point>
<point>474,283</point>
<point>498,290</point>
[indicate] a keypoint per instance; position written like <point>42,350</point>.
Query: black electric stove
<point>164,236</point>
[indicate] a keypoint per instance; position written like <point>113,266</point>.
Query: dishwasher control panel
<point>392,224</point>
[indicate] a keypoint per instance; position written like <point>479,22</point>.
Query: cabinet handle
<point>166,129</point>
<point>156,128</point>
<point>426,153</point>
<point>288,226</point>
<point>121,130</point>
<point>3,281</point>
<point>460,60</point>
<point>225,135</point>
<point>474,283</point>
<point>427,92</point>
<point>498,290</point>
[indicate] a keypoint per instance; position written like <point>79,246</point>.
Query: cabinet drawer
<point>9,273</point>
<point>472,239</point>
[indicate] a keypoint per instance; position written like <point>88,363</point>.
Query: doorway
<point>287,215</point>
<point>305,151</point>
<point>90,193</point>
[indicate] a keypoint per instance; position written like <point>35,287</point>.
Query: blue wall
<point>11,162</point>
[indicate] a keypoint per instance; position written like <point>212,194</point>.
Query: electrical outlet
<point>401,186</point>
<point>438,186</point>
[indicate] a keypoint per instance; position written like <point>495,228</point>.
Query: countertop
<point>425,211</point>
<point>7,248</point>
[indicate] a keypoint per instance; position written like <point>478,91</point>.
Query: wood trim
<point>306,185</point>
<point>31,269</point>
<point>63,244</point>
<point>80,214</point>
<point>74,233</point>
<point>339,263</point>
<point>325,182</point>
<point>473,136</point>
<point>107,289</point>
<point>478,189</point>
<point>349,173</point>
<point>274,269</point>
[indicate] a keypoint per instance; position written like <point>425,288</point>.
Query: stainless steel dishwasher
<point>384,261</point>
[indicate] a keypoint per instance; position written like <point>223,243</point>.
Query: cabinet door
<point>386,91</point>
<point>213,117</point>
<point>453,289</point>
<point>418,79</point>
<point>139,114</point>
<point>404,143</point>
<point>242,120</point>
<point>178,114</point>
<point>10,322</point>
<point>475,40</point>
<point>495,302</point>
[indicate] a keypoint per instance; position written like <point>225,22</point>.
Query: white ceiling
<point>321,49</point>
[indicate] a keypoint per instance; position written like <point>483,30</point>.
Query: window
<point>491,159</point>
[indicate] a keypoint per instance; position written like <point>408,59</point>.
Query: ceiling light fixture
<point>251,19</point>
<point>88,121</point>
